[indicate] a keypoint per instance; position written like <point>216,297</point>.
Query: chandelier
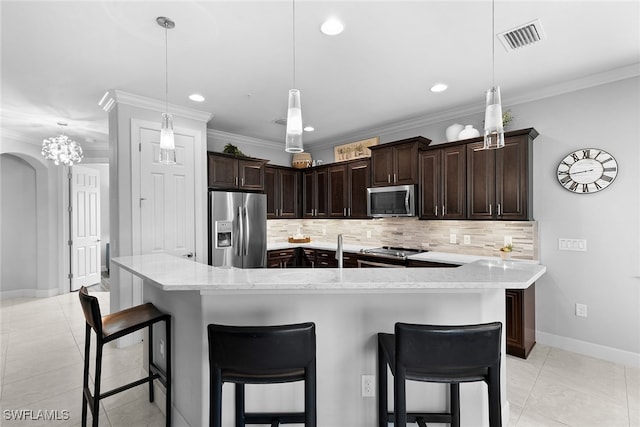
<point>61,149</point>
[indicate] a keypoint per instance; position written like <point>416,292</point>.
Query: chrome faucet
<point>339,256</point>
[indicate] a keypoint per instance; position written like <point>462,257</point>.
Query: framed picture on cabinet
<point>354,150</point>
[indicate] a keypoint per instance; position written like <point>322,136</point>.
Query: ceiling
<point>59,58</point>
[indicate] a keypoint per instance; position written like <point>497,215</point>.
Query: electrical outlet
<point>452,238</point>
<point>368,386</point>
<point>467,239</point>
<point>368,234</point>
<point>508,240</point>
<point>579,245</point>
<point>581,310</point>
<point>162,348</point>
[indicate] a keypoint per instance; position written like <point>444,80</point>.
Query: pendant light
<point>167,141</point>
<point>61,149</point>
<point>293,141</point>
<point>493,127</point>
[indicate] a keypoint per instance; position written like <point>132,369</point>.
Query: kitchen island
<point>349,307</point>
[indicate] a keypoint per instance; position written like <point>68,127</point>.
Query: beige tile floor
<point>42,341</point>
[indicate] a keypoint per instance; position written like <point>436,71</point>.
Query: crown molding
<point>574,85</point>
<point>245,140</point>
<point>114,96</point>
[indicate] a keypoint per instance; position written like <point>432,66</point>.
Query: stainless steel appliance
<point>397,200</point>
<point>237,229</point>
<point>385,256</point>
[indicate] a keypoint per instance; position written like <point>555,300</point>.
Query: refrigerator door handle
<point>240,239</point>
<point>245,232</point>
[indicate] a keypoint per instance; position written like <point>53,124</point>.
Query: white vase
<point>468,132</point>
<point>453,131</point>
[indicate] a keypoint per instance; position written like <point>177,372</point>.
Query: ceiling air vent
<point>523,35</point>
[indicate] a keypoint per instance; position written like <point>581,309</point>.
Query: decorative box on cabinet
<point>396,163</point>
<point>348,184</point>
<point>227,172</point>
<point>315,183</point>
<point>499,182</point>
<point>443,186</point>
<point>521,321</point>
<point>282,187</point>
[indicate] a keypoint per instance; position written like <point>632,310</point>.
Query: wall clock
<point>587,170</point>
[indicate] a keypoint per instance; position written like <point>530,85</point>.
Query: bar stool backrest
<point>91,310</point>
<point>447,349</point>
<point>262,349</point>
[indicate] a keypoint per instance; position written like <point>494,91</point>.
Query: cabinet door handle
<point>395,178</point>
<point>389,178</point>
<point>436,210</point>
<point>236,181</point>
<point>444,211</point>
<point>490,210</point>
<point>243,181</point>
<point>499,209</point>
<point>348,211</point>
<point>344,211</point>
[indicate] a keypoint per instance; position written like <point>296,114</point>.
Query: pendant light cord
<point>294,43</point>
<point>166,68</point>
<point>493,44</point>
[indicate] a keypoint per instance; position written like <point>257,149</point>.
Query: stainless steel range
<point>386,256</point>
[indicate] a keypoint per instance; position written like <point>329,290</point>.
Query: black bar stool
<point>441,354</point>
<point>114,326</point>
<point>262,355</point>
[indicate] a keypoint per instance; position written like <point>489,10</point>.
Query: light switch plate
<point>579,245</point>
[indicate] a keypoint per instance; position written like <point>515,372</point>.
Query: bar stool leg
<point>85,374</point>
<point>168,372</point>
<point>215,397</point>
<point>399,398</point>
<point>150,372</point>
<point>310,418</point>
<point>96,394</point>
<point>240,421</point>
<point>495,415</point>
<point>454,389</point>
<point>383,405</point>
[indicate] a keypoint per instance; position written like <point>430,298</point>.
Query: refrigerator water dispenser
<point>223,230</point>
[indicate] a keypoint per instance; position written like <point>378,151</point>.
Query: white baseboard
<point>29,293</point>
<point>177,420</point>
<point>598,351</point>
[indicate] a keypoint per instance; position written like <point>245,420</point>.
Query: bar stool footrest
<point>271,417</point>
<point>417,417</point>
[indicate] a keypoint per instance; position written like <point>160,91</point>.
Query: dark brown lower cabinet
<point>521,321</point>
<point>283,258</point>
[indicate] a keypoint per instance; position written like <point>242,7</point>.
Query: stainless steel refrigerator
<point>237,229</point>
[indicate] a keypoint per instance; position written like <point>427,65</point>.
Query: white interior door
<point>85,227</point>
<point>167,196</point>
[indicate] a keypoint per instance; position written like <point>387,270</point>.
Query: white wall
<point>19,227</point>
<point>607,277</point>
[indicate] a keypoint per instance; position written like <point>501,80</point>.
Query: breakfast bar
<point>348,306</point>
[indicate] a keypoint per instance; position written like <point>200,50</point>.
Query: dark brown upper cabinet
<point>396,163</point>
<point>282,187</point>
<point>315,186</point>
<point>499,182</point>
<point>348,184</point>
<point>227,172</point>
<point>443,185</point>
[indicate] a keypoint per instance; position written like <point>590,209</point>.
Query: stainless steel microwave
<point>398,200</point>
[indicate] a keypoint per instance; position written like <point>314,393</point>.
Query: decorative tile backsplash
<point>485,237</point>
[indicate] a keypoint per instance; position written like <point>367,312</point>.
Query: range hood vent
<point>521,36</point>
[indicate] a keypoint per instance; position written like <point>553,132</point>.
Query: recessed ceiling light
<point>439,87</point>
<point>196,97</point>
<point>309,128</point>
<point>332,27</point>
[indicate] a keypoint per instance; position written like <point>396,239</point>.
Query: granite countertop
<point>171,273</point>
<point>433,256</point>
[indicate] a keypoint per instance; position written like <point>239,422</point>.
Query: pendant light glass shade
<point>167,141</point>
<point>493,128</point>
<point>294,123</point>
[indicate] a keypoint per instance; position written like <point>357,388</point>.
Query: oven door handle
<point>366,264</point>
